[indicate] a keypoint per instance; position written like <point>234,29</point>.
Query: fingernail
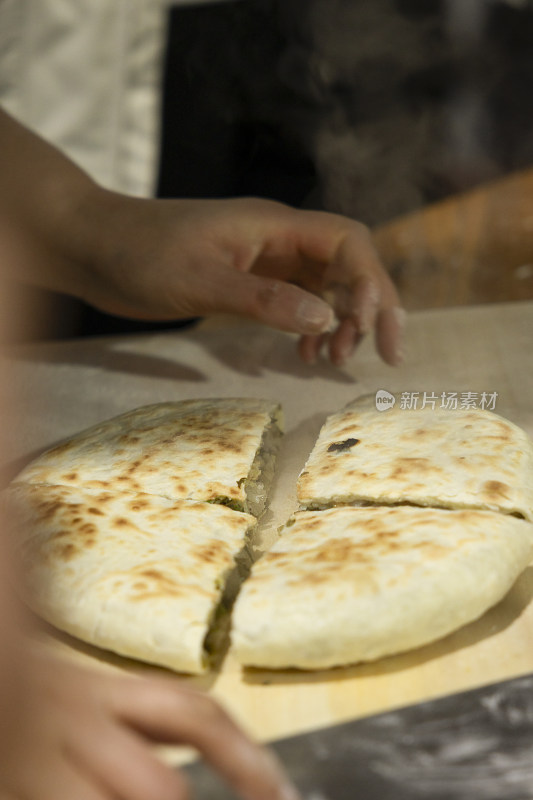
<point>368,312</point>
<point>309,358</point>
<point>342,357</point>
<point>314,316</point>
<point>399,357</point>
<point>400,317</point>
<point>288,792</point>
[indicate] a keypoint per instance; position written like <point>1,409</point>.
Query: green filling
<point>223,500</point>
<point>216,639</point>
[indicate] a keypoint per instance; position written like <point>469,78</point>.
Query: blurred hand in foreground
<point>72,733</point>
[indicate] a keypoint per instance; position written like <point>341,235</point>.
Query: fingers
<point>338,260</point>
<point>56,778</point>
<point>120,760</point>
<point>343,342</point>
<point>367,307</point>
<point>67,782</point>
<point>309,347</point>
<point>166,713</point>
<point>275,303</point>
<point>365,295</point>
<point>389,334</point>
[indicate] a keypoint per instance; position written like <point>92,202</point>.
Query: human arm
<point>172,259</point>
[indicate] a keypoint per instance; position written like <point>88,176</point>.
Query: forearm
<point>44,202</point>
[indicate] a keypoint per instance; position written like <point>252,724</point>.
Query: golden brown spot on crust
<point>48,509</point>
<point>60,534</point>
<point>88,527</point>
<point>139,505</point>
<point>231,447</point>
<point>405,465</point>
<point>397,472</point>
<point>95,511</point>
<point>210,552</point>
<point>105,498</point>
<point>412,461</point>
<point>337,550</point>
<point>120,522</point>
<point>168,440</point>
<point>153,573</point>
<point>313,578</point>
<point>66,552</point>
<point>274,557</point>
<point>62,448</point>
<point>347,430</point>
<point>313,523</point>
<point>163,585</point>
<point>372,525</point>
<point>496,490</point>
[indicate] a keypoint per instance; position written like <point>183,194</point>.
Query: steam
<point>394,99</point>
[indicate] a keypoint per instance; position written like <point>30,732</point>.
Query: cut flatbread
<point>137,574</point>
<point>349,584</point>
<point>219,450</point>
<point>429,457</point>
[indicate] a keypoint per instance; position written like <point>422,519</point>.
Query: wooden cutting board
<point>58,388</point>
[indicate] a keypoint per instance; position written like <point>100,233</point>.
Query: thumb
<point>276,303</point>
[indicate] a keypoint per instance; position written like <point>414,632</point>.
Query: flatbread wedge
<point>349,584</point>
<point>442,458</point>
<point>216,450</point>
<point>137,574</point>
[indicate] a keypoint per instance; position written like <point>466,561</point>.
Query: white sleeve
<point>87,76</point>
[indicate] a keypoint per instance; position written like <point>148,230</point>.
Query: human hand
<point>85,735</point>
<point>172,259</point>
<point>312,273</point>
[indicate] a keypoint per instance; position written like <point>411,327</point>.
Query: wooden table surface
<point>59,388</point>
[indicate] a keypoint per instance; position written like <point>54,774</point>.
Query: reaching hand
<point>311,273</point>
<point>308,272</point>
<point>88,736</point>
